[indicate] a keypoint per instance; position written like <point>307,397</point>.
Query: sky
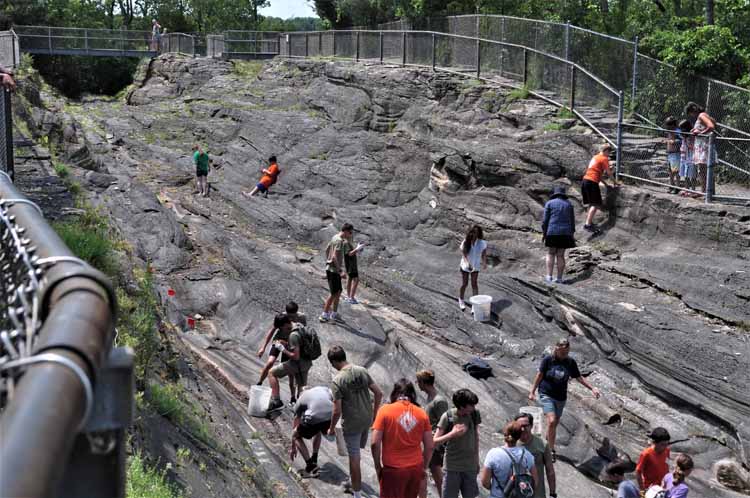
<point>288,8</point>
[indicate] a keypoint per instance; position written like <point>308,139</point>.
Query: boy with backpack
<point>458,428</point>
<point>509,471</point>
<point>303,348</point>
<point>270,175</point>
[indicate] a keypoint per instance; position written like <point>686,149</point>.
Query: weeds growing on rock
<point>169,401</point>
<point>87,236</point>
<point>144,481</point>
<point>517,94</point>
<point>565,113</point>
<point>553,127</point>
<point>247,69</point>
<point>61,170</point>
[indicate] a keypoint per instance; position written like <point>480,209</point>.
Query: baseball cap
<point>659,434</point>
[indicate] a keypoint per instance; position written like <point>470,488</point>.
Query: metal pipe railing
<point>53,396</point>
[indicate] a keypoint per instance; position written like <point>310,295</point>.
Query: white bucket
<point>539,420</point>
<point>481,306</point>
<point>341,442</point>
<point>258,399</point>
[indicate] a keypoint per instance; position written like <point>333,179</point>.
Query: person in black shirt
<point>555,371</point>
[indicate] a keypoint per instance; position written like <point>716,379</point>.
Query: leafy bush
<point>144,481</point>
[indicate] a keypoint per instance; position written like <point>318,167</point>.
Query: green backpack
<point>309,343</point>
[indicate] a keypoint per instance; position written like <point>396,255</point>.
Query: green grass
<point>87,236</point>
<point>144,481</point>
<point>517,94</point>
<point>169,401</point>
<point>565,113</point>
<point>247,69</point>
<point>553,127</point>
<point>61,170</point>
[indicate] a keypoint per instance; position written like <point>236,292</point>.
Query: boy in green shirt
<point>200,158</point>
<point>459,429</point>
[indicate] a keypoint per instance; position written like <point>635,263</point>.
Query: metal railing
<point>177,43</point>
<point>9,51</point>
<point>84,41</point>
<point>64,397</point>
<point>248,44</point>
<point>6,134</point>
<point>215,46</point>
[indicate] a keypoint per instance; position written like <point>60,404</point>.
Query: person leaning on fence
<point>674,140</point>
<point>6,78</point>
<point>592,196</point>
<point>401,443</point>
<point>558,227</point>
<point>687,149</point>
<point>703,127</point>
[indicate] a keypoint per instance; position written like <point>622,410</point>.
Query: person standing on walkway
<point>592,196</point>
<point>296,365</point>
<point>335,272</point>
<point>200,158</point>
<point>703,127</point>
<point>270,176</point>
<point>312,416</point>
<point>558,227</point>
<point>352,403</point>
<point>498,464</point>
<point>350,261</point>
<point>555,371</point>
<point>458,428</point>
<point>473,258</point>
<point>436,406</point>
<point>155,35</point>
<point>542,456</point>
<point>401,443</point>
<point>674,482</point>
<point>652,462</point>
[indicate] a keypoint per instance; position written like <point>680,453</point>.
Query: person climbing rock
<point>436,406</point>
<point>592,196</point>
<point>335,272</point>
<point>401,443</point>
<point>353,405</point>
<point>555,371</point>
<point>498,463</point>
<point>352,271</point>
<point>270,175</point>
<point>652,462</point>
<point>312,415</point>
<point>473,258</point>
<point>296,365</point>
<point>458,428</point>
<point>558,227</point>
<point>616,474</point>
<point>6,78</point>
<point>674,482</point>
<point>200,158</point>
<point>280,341</point>
<point>539,449</point>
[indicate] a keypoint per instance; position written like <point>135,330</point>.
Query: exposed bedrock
<point>657,307</point>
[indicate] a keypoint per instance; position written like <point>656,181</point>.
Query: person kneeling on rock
<point>312,416</point>
<point>270,175</point>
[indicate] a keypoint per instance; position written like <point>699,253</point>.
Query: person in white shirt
<point>473,257</point>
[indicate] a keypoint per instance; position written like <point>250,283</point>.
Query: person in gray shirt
<point>312,417</point>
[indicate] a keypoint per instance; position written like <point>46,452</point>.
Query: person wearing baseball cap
<point>652,464</point>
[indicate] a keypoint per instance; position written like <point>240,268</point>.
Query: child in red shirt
<point>269,177</point>
<point>652,464</point>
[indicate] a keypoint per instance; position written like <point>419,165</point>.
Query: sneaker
<point>589,228</point>
<point>292,402</point>
<point>461,304</point>
<point>324,317</point>
<point>312,467</point>
<point>559,281</point>
<point>347,488</point>
<point>275,404</point>
<point>549,279</point>
<point>307,474</point>
<point>352,300</point>
<point>335,316</point>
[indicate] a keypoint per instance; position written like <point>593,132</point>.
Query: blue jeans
<point>551,405</point>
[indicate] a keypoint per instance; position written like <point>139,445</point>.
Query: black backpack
<point>520,483</point>
<point>309,343</point>
<point>478,368</point>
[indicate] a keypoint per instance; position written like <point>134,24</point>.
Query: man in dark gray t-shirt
<point>312,417</point>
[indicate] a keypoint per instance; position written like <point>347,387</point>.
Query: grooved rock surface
<point>657,307</point>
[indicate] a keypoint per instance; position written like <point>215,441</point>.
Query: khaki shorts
<point>290,367</point>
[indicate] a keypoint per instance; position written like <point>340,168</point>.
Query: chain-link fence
<point>248,44</point>
<point>215,46</point>
<point>6,134</point>
<point>82,41</point>
<point>177,43</point>
<point>9,50</point>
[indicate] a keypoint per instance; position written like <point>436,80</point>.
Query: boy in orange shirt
<point>269,177</point>
<point>590,192</point>
<point>652,464</point>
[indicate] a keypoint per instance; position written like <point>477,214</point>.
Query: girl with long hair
<point>473,257</point>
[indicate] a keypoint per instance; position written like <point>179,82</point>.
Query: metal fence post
<point>86,40</point>
<point>356,48</point>
<point>479,58</point>
<point>635,73</point>
<point>525,65</point>
<point>320,43</point>
<point>289,45</point>
<point>49,38</point>
<point>307,45</point>
<point>710,169</point>
<point>433,51</point>
<point>708,98</point>
<point>381,47</point>
<point>403,48</point>
<point>567,41</point>
<point>8,110</point>
<point>572,87</point>
<point>502,29</point>
<point>192,42</point>
<point>334,44</point>
<point>620,113</point>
